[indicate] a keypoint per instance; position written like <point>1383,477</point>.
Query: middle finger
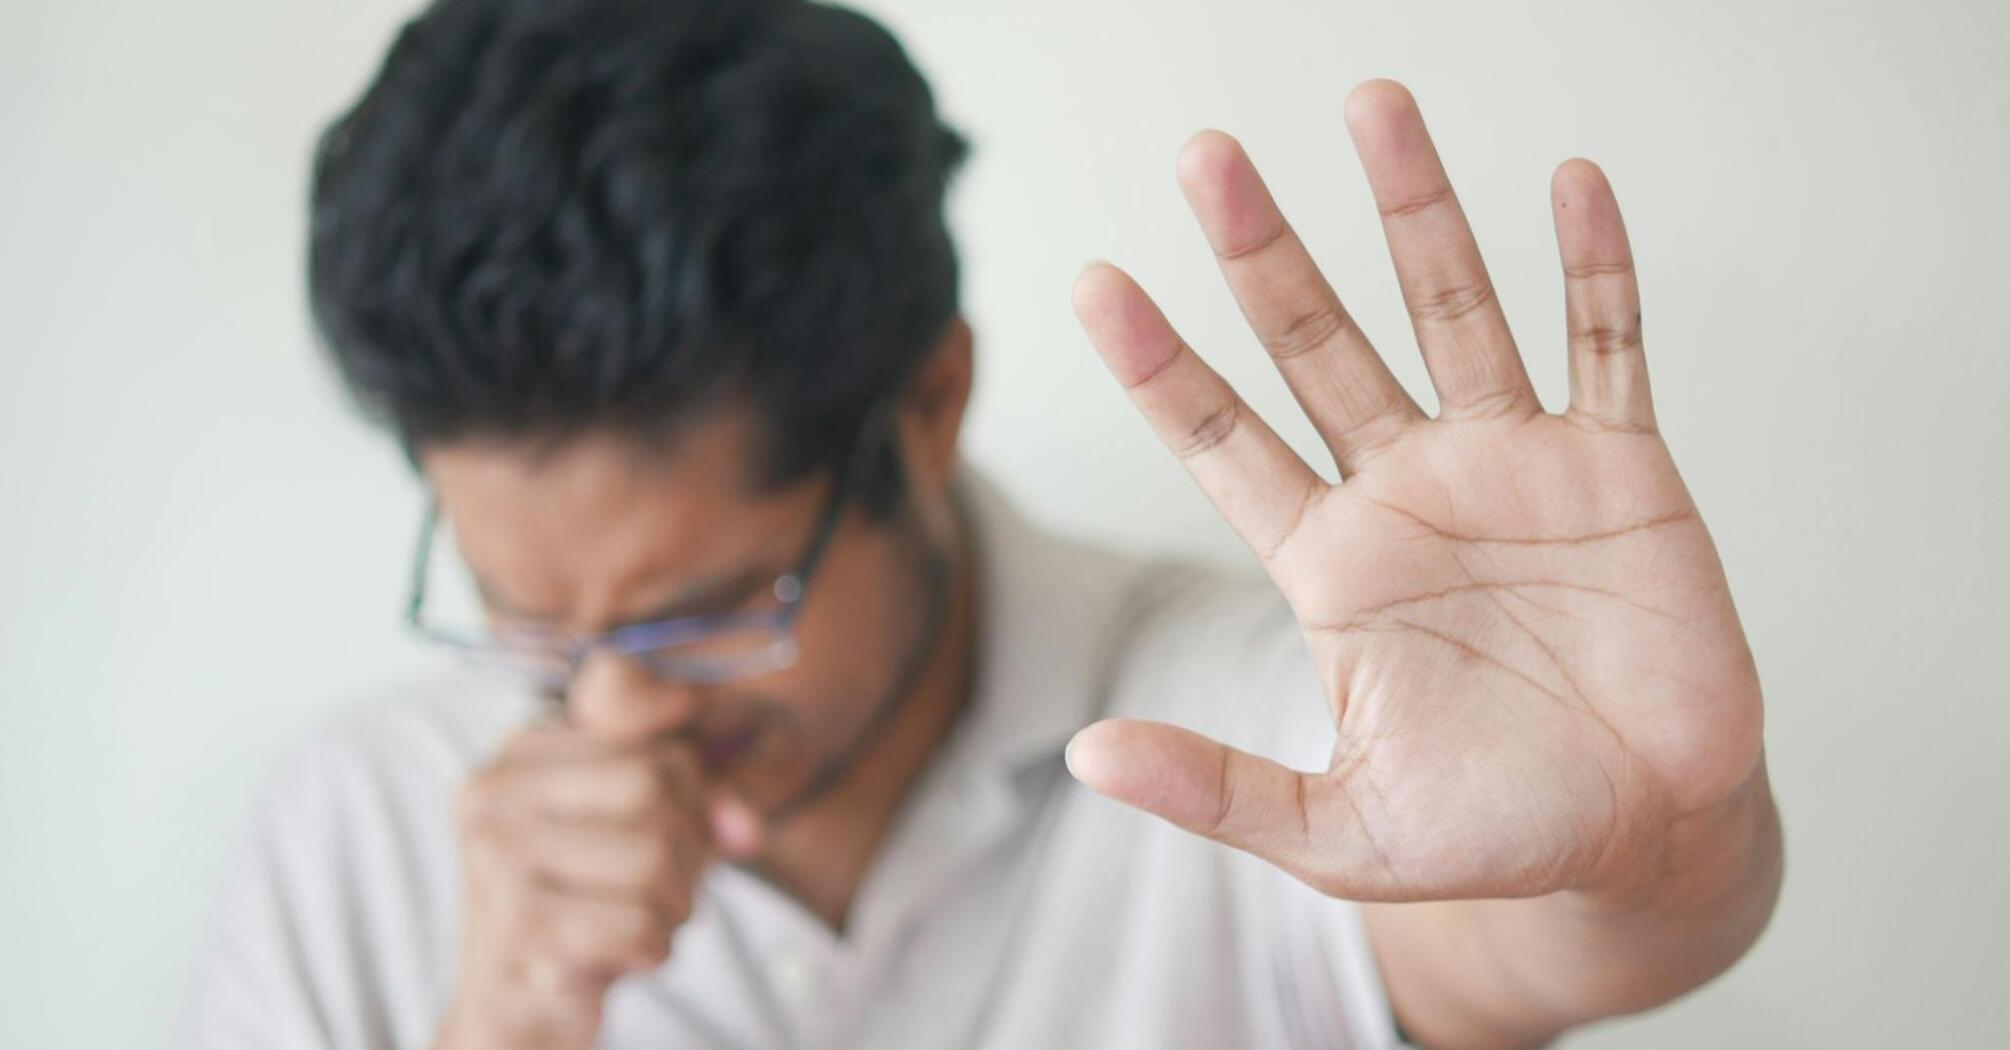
<point>1460,327</point>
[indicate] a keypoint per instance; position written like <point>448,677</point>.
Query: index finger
<point>1250,475</point>
<point>1461,329</point>
<point>1344,386</point>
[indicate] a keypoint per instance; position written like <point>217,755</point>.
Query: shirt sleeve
<point>1338,984</point>
<point>326,932</point>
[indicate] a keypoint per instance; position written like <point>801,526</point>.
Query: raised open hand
<point>1519,618</point>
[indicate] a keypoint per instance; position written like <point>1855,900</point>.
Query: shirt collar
<point>1048,606</point>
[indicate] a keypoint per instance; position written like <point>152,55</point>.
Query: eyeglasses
<point>705,648</point>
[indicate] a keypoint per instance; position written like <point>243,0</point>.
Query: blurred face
<point>605,533</point>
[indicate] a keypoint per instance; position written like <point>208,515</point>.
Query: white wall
<point>200,552</point>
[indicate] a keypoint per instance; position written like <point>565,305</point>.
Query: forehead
<point>605,522</point>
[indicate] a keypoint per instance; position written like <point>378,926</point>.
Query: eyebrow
<point>713,595</point>
<point>709,595</point>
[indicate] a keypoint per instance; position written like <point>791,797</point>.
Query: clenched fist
<point>580,861</point>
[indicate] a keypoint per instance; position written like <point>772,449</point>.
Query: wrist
<point>1698,863</point>
<point>1517,972</point>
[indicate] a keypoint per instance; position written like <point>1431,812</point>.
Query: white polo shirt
<point>1008,906</point>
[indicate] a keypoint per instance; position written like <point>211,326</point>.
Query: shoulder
<point>413,735</point>
<point>333,923</point>
<point>352,827</point>
<point>369,789</point>
<point>364,799</point>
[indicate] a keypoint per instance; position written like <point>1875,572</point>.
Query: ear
<point>931,417</point>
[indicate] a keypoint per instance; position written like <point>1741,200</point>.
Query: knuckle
<point>1308,331</point>
<point>487,861</point>
<point>1168,366</point>
<point>1257,245</point>
<point>1496,403</point>
<point>1606,340</point>
<point>1453,301</point>
<point>663,818</point>
<point>527,931</point>
<point>635,786</point>
<point>659,858</point>
<point>651,943</point>
<point>467,807</point>
<point>475,801</point>
<point>1211,430</point>
<point>1588,271</point>
<point>1314,490</point>
<point>1609,423</point>
<point>572,945</point>
<point>1374,434</point>
<point>545,972</point>
<point>1416,205</point>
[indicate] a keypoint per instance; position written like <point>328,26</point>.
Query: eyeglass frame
<point>643,639</point>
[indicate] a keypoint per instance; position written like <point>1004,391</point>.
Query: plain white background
<point>201,551</point>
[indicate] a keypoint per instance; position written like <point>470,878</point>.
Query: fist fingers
<point>630,788</point>
<point>612,864</point>
<point>598,937</point>
<point>581,860</point>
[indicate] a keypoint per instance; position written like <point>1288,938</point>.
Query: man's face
<point>606,532</point>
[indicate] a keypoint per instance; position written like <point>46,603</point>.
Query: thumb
<point>1226,794</point>
<point>735,824</point>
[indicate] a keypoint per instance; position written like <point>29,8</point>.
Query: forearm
<point>1484,974</point>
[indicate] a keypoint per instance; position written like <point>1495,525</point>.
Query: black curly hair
<point>545,217</point>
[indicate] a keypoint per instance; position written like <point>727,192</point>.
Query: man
<point>659,298</point>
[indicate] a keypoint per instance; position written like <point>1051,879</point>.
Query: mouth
<point>724,750</point>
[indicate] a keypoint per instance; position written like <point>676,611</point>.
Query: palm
<point>1519,618</point>
<point>1511,647</point>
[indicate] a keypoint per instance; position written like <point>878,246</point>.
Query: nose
<point>617,700</point>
